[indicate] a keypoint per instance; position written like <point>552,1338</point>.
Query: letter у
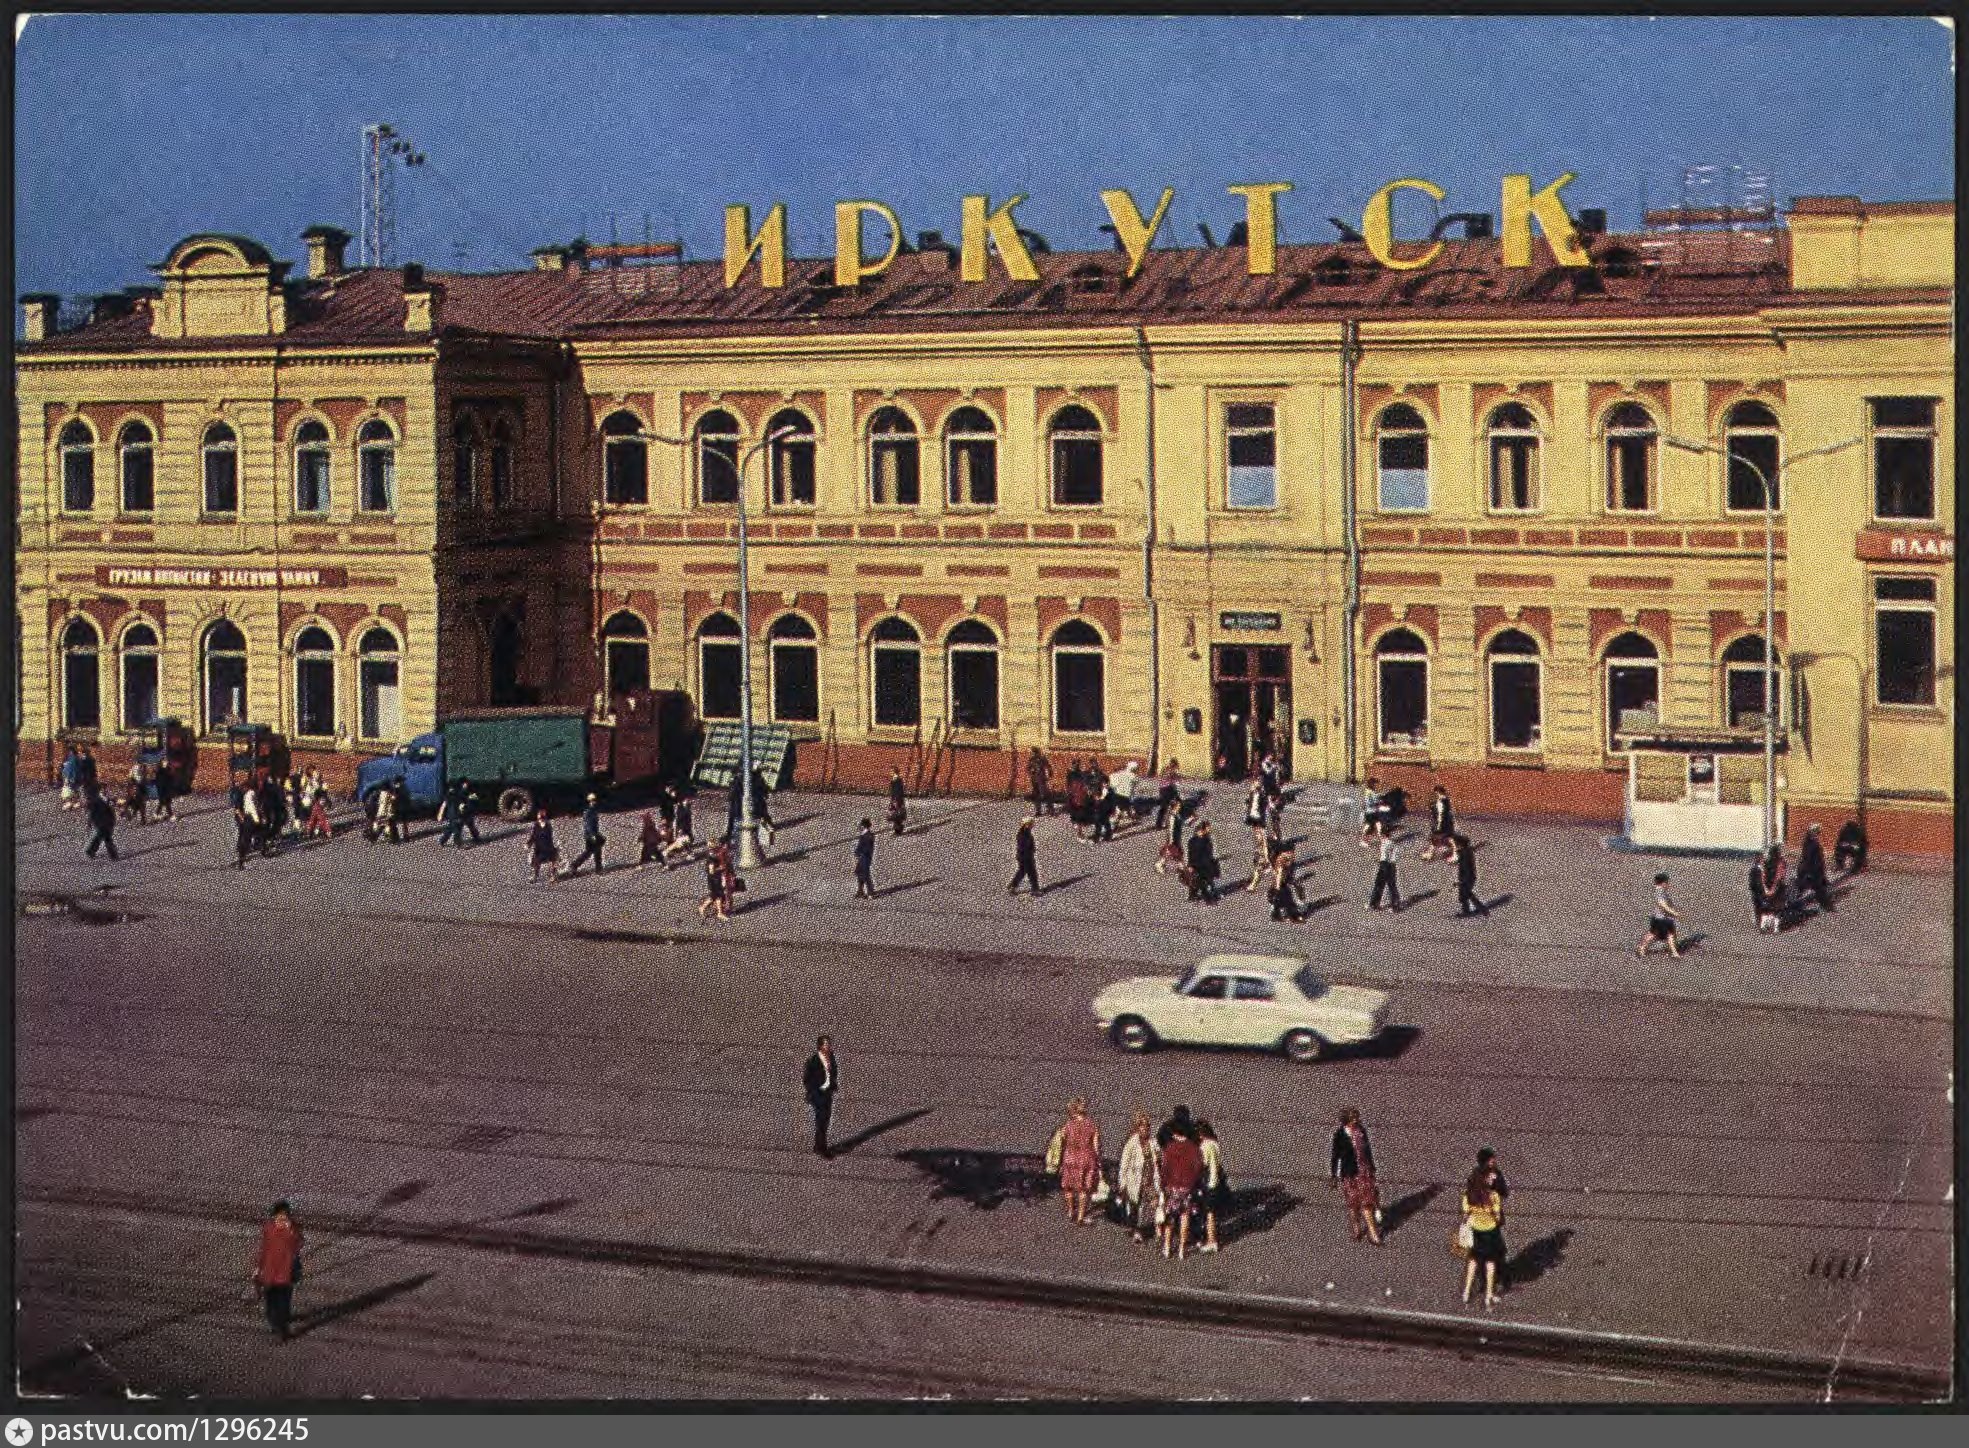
<point>1136,234</point>
<point>980,221</point>
<point>1521,204</point>
<point>1260,224</point>
<point>769,245</point>
<point>849,268</point>
<point>1378,224</point>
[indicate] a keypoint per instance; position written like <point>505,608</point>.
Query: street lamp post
<point>748,823</point>
<point>1770,601</point>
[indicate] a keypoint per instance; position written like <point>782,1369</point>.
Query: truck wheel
<point>1304,1045</point>
<point>1132,1033</point>
<point>515,803</point>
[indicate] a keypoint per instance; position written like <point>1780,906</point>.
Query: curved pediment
<point>215,252</point>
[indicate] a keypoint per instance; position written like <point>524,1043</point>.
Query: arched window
<point>220,451</point>
<point>78,453</point>
<point>464,461</point>
<point>971,458</point>
<point>1744,690</point>
<point>1080,683</point>
<point>972,650</point>
<point>895,652</point>
<point>1516,679</point>
<point>895,462</point>
<point>502,464</point>
<point>1401,664</point>
<point>1754,445</point>
<point>717,439</point>
<point>1514,483</point>
<point>82,703</point>
<point>139,466</point>
<point>1401,451</point>
<point>720,667</point>
<point>222,668</point>
<point>378,682</point>
<point>505,657</point>
<point>625,461</point>
<point>625,654</point>
<point>311,468</point>
<point>376,467</point>
<point>1074,440</point>
<point>1633,688</point>
<point>314,683</point>
<point>792,459</point>
<point>139,669</point>
<point>1631,440</point>
<point>796,670</point>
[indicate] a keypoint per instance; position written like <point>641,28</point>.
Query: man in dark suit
<point>1467,902</point>
<point>102,823</point>
<point>1202,860</point>
<point>1026,849</point>
<point>1812,879</point>
<point>823,1079</point>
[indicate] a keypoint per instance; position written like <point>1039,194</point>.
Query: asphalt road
<point>1684,1168</point>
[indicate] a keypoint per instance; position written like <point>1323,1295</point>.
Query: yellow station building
<point>1423,525</point>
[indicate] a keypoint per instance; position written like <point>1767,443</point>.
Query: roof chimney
<point>111,304</point>
<point>420,300</point>
<point>931,244</point>
<point>1593,221</point>
<point>550,258</point>
<point>38,315</point>
<point>327,246</point>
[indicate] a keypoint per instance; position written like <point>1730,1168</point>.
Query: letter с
<point>980,221</point>
<point>1378,224</point>
<point>769,245</point>
<point>1136,234</point>
<point>849,268</point>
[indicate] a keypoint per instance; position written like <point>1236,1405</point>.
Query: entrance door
<point>1253,688</point>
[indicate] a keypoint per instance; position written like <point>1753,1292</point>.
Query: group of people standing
<point>1166,1180</point>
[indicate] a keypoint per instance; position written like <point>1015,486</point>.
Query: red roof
<point>1634,276</point>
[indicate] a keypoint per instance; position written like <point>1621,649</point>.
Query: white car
<point>1273,1001</point>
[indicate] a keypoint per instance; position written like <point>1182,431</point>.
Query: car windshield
<point>1184,981</point>
<point>1310,985</point>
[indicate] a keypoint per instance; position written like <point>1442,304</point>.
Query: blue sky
<point>135,130</point>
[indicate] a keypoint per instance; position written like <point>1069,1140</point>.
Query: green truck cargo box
<point>540,747</point>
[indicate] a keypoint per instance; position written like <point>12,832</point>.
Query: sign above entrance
<point>1244,620</point>
<point>115,575</point>
<point>1913,544</point>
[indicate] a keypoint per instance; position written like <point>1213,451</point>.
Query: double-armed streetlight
<point>748,823</point>
<point>1767,483</point>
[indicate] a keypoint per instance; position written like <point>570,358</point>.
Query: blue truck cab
<point>419,763</point>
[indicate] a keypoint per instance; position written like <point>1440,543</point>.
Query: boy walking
<point>1384,876</point>
<point>1661,920</point>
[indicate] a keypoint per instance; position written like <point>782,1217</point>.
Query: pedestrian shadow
<point>307,1322</point>
<point>553,1206</point>
<point>1063,884</point>
<point>796,820</point>
<point>1692,939</point>
<point>1315,906</point>
<point>1500,902</point>
<point>157,849</point>
<point>869,1133</point>
<point>1538,1258</point>
<point>1390,1045</point>
<point>1402,1209</point>
<point>750,903</point>
<point>984,1179</point>
<point>1257,1209</point>
<point>887,890</point>
<point>1409,902</point>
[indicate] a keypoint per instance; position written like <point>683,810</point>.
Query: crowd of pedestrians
<point>1168,1183</point>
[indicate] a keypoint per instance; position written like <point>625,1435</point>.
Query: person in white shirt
<point>1384,877</point>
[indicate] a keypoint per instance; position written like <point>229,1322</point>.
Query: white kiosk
<point>1697,789</point>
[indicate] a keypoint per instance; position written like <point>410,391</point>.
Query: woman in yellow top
<point>1483,1213</point>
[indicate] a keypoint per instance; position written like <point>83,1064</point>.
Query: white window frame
<point>995,650</point>
<point>1611,434</point>
<point>1773,430</point>
<point>952,441</point>
<point>1773,686</point>
<point>324,449</point>
<point>127,651</point>
<point>329,656</point>
<point>1382,741</point>
<point>65,450</point>
<point>1232,433</point>
<point>703,641</point>
<point>1054,651</point>
<point>1491,662</point>
<point>1056,435</point>
<point>610,642</point>
<point>206,654</point>
<point>876,442</point>
<point>1494,433</point>
<point>1931,607</point>
<point>124,447</point>
<point>1931,433</point>
<point>207,449</point>
<point>876,648</point>
<point>812,646</point>
<point>393,656</point>
<point>621,442</point>
<point>64,652</point>
<point>1383,432</point>
<point>702,441</point>
<point>1614,739</point>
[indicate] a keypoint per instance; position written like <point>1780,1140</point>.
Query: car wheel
<point>1132,1033</point>
<point>515,803</point>
<point>1304,1045</point>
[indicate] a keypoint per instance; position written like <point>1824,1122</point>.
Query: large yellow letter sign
<point>769,244</point>
<point>1378,224</point>
<point>849,268</point>
<point>979,221</point>
<point>1135,233</point>
<point>1260,224</point>
<point>1521,204</point>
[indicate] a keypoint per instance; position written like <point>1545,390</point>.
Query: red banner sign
<point>147,575</point>
<point>1907,545</point>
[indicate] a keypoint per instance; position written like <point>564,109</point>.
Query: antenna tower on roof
<point>383,150</point>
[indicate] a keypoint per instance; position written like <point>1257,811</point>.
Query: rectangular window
<point>1404,475</point>
<point>1904,457</point>
<point>1251,456</point>
<point>796,683</point>
<point>1752,453</point>
<point>1630,484</point>
<point>1514,704</point>
<point>1744,695</point>
<point>311,481</point>
<point>897,480</point>
<point>717,470</point>
<point>627,484</point>
<point>1079,698</point>
<point>1633,701</point>
<point>1077,471</point>
<point>1404,703</point>
<point>1514,473</point>
<point>314,697</point>
<point>139,690</point>
<point>793,474</point>
<point>502,475</point>
<point>718,670</point>
<point>221,480</point>
<point>898,687</point>
<point>139,480</point>
<point>78,480</point>
<point>82,705</point>
<point>464,463</point>
<point>1904,640</point>
<point>974,688</point>
<point>382,716</point>
<point>973,472</point>
<point>379,480</point>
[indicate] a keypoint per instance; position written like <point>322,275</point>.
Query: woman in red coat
<point>279,1268</point>
<point>1080,1159</point>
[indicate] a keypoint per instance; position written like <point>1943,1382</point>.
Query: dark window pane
<point>1627,473</point>
<point>974,689</point>
<point>1905,655</point>
<point>310,481</point>
<point>895,468</point>
<point>628,665</point>
<point>1904,412</point>
<point>81,697</point>
<point>314,696</point>
<point>1922,589</point>
<point>898,686</point>
<point>225,691</point>
<point>1273,663</point>
<point>1233,663</point>
<point>1631,689</point>
<point>1746,696</point>
<point>1076,471</point>
<point>1404,702</point>
<point>1249,414</point>
<point>1746,492</point>
<point>718,666</point>
<point>628,473</point>
<point>974,472</point>
<point>78,479</point>
<point>139,689</point>
<point>1079,689</point>
<point>1904,477</point>
<point>1514,705</point>
<point>793,473</point>
<point>221,482</point>
<point>379,480</point>
<point>1253,449</point>
<point>139,480</point>
<point>796,683</point>
<point>717,463</point>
